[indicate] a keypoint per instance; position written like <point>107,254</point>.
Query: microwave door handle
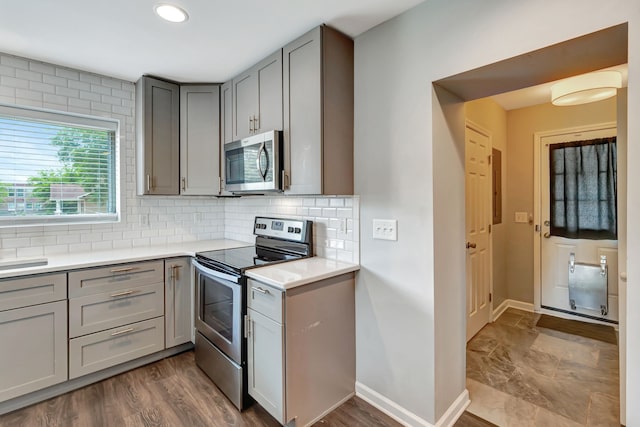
<point>259,162</point>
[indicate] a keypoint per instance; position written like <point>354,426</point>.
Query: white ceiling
<point>125,39</point>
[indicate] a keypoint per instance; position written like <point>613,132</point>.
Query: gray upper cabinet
<point>199,140</point>
<point>157,137</point>
<point>226,128</point>
<point>318,113</point>
<point>257,98</point>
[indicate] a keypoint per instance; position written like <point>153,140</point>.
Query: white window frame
<point>71,119</point>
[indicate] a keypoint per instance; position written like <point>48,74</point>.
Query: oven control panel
<point>289,229</point>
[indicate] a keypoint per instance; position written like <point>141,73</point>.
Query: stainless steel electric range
<point>221,298</point>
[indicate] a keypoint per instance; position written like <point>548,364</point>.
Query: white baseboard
<point>389,407</point>
<point>511,303</point>
<point>455,410</point>
<point>406,417</point>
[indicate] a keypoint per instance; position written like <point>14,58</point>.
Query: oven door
<point>219,309</point>
<point>253,164</point>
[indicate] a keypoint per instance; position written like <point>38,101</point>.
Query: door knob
<point>471,245</point>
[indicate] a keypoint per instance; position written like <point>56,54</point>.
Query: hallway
<point>520,374</point>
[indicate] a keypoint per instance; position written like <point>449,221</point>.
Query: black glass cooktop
<point>240,259</point>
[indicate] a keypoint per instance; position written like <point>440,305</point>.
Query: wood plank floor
<point>174,392</point>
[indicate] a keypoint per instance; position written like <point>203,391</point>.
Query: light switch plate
<point>522,217</point>
<point>385,229</point>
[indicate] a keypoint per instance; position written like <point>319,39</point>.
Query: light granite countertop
<point>288,275</point>
<point>74,261</point>
<point>285,275</point>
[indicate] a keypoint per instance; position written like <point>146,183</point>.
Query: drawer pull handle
<point>121,294</point>
<point>122,270</point>
<point>122,332</point>
<point>260,290</point>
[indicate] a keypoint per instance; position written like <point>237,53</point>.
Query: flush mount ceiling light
<point>586,88</point>
<point>171,13</point>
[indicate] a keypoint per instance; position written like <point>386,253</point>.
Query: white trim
<point>570,316</point>
<point>389,407</point>
<point>408,418</point>
<point>455,410</point>
<point>537,215</point>
<point>511,303</point>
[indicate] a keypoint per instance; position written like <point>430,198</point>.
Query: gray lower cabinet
<point>33,334</point>
<point>199,140</point>
<point>101,350</point>
<point>116,314</point>
<point>178,301</point>
<point>301,348</point>
<point>318,113</point>
<point>157,137</point>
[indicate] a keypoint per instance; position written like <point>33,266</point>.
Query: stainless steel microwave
<point>253,164</point>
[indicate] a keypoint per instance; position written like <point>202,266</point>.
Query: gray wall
<point>402,315</point>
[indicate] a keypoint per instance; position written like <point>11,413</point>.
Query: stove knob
<point>297,230</point>
<point>290,229</point>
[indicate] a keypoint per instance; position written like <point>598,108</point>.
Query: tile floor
<point>521,375</point>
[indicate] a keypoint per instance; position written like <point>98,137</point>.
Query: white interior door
<point>555,250</point>
<point>478,219</point>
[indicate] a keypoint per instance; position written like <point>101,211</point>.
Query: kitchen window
<point>56,167</point>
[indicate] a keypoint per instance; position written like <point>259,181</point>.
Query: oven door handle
<point>215,273</point>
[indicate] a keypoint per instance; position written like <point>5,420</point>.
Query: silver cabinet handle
<point>121,294</point>
<point>471,245</point>
<point>122,270</point>
<point>256,124</point>
<point>261,290</point>
<point>174,272</point>
<point>122,332</point>
<point>285,180</point>
<point>148,182</point>
<point>184,183</point>
<point>250,124</point>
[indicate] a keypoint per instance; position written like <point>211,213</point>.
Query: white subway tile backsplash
<point>169,219</point>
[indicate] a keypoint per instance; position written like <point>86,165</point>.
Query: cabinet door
<point>269,79</point>
<point>200,140</point>
<point>178,295</point>
<point>303,114</point>
<point>226,128</point>
<point>245,104</point>
<point>33,354</point>
<point>158,137</point>
<point>266,364</point>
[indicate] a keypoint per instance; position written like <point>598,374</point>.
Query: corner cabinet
<point>303,336</point>
<point>200,140</point>
<point>178,301</point>
<point>257,98</point>
<point>157,137</point>
<point>33,333</point>
<point>318,113</point>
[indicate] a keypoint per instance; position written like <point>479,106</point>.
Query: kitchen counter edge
<point>288,275</point>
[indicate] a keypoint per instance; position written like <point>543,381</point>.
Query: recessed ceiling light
<point>171,13</point>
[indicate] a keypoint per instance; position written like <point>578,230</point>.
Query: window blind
<point>56,167</point>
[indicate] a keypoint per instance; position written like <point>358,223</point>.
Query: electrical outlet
<point>144,219</point>
<point>197,216</point>
<point>385,229</point>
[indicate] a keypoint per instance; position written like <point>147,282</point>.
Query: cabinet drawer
<point>115,277</point>
<point>265,299</point>
<point>104,349</point>
<point>93,313</point>
<point>32,290</point>
<point>33,354</point>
